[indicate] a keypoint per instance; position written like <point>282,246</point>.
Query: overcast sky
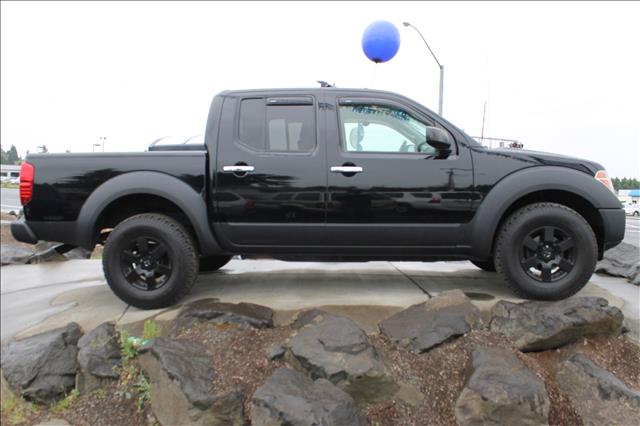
<point>560,77</point>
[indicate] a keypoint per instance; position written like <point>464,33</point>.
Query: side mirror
<point>439,139</point>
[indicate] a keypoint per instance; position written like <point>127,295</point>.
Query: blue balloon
<point>381,41</point>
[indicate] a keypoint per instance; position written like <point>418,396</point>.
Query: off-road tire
<point>487,265</point>
<point>510,246</point>
<point>180,249</point>
<point>213,263</point>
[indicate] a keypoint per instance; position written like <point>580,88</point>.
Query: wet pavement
<point>36,298</point>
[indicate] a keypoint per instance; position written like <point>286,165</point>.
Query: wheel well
<point>133,204</point>
<point>569,199</point>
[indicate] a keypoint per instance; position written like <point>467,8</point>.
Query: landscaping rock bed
<point>223,363</point>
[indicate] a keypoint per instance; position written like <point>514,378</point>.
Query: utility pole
<point>441,95</point>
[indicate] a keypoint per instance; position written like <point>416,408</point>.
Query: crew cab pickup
<point>323,174</point>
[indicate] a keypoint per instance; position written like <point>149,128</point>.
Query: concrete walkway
<point>36,298</point>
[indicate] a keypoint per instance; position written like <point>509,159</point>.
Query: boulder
<point>43,367</point>
<point>43,251</point>
<point>98,357</point>
<point>333,347</point>
<point>289,397</point>
<point>11,254</point>
<point>598,396</point>
<point>500,389</point>
<point>46,251</point>
<point>213,311</point>
<point>307,317</point>
<point>181,374</point>
<point>423,326</point>
<point>537,326</point>
<point>621,261</point>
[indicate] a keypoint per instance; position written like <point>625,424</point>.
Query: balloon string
<point>375,67</point>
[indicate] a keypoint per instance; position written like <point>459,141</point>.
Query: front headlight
<point>603,177</point>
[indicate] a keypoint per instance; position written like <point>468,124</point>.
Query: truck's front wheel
<point>150,261</point>
<point>546,251</point>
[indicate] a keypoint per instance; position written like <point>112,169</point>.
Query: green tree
<point>12,155</point>
<point>625,183</point>
<point>3,156</point>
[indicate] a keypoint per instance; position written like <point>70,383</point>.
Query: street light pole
<point>406,24</point>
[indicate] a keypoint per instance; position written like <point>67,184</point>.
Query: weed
<point>16,410</point>
<point>143,387</point>
<point>127,346</point>
<point>151,330</point>
<point>66,402</point>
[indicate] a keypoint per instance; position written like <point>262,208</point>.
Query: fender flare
<point>525,182</point>
<point>189,201</point>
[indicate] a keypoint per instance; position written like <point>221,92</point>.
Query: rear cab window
<point>277,124</point>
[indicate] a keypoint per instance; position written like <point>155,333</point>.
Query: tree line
<point>10,156</point>
<point>625,183</point>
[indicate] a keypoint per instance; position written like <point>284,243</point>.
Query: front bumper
<point>613,224</point>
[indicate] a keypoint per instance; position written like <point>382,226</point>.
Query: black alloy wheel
<point>547,254</point>
<point>145,263</point>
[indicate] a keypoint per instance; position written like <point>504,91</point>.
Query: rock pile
<point>328,370</point>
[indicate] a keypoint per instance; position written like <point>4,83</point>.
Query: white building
<point>8,171</point>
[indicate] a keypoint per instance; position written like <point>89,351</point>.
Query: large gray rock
<point>598,396</point>
<point>181,374</point>
<point>536,326</point>
<point>11,254</point>
<point>423,326</point>
<point>501,390</point>
<point>621,261</point>
<point>99,357</point>
<point>43,251</point>
<point>333,347</point>
<point>43,367</point>
<point>213,311</point>
<point>289,397</point>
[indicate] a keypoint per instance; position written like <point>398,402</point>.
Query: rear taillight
<point>26,182</point>
<point>603,177</point>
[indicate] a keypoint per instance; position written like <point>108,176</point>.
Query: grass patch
<point>66,402</point>
<point>16,410</point>
<point>151,330</point>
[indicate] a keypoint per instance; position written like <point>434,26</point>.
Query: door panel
<point>276,169</point>
<point>402,190</point>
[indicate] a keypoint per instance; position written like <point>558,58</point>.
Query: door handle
<point>238,169</point>
<point>346,169</point>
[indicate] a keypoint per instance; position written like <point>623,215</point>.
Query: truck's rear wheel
<point>150,261</point>
<point>546,251</point>
<point>213,263</point>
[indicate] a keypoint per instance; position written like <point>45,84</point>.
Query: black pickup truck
<point>323,174</point>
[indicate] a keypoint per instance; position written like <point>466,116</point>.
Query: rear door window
<point>277,125</point>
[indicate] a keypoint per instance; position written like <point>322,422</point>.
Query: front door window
<point>377,128</point>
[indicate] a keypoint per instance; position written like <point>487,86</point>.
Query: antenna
<point>325,84</point>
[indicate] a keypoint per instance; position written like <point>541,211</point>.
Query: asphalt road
<point>10,200</point>
<point>632,231</point>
